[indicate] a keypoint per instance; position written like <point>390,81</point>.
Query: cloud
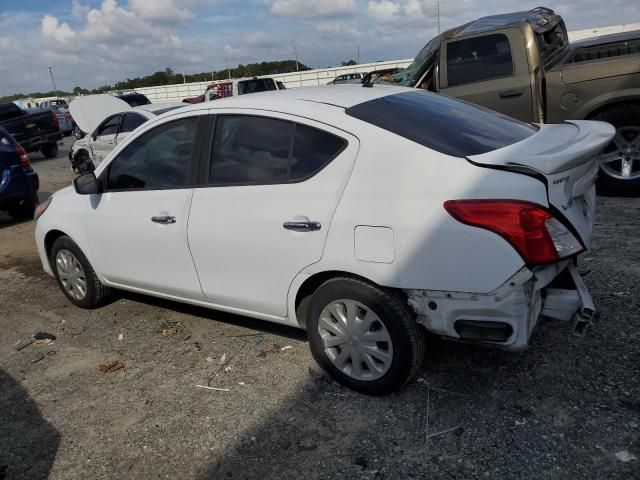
<point>52,29</point>
<point>5,42</point>
<point>383,10</point>
<point>166,11</point>
<point>318,8</point>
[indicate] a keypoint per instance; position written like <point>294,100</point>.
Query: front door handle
<point>517,92</point>
<point>302,226</point>
<point>164,219</point>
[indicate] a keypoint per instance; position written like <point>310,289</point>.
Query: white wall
<point>598,31</point>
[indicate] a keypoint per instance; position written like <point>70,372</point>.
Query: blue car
<point>19,183</point>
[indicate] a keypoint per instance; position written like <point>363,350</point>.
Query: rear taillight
<point>529,228</point>
<point>23,158</point>
<point>67,117</point>
<point>56,122</point>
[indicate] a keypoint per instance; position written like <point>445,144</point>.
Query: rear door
<point>491,70</point>
<point>273,183</point>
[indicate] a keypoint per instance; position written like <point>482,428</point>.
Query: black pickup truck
<point>33,131</point>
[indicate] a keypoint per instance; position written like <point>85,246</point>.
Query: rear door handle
<point>302,226</point>
<point>512,93</point>
<point>164,219</point>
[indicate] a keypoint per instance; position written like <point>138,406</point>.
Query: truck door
<point>489,69</point>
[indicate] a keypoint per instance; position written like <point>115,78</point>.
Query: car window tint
<point>312,150</point>
<point>160,158</point>
<point>444,124</point>
<point>109,126</point>
<point>255,86</point>
<point>131,121</point>
<point>479,58</point>
<point>250,150</point>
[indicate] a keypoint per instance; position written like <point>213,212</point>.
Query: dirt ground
<point>562,409</point>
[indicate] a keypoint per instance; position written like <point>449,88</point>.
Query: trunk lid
<point>90,110</point>
<point>566,155</point>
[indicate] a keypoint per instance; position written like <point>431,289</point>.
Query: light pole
<point>436,12</point>
<point>53,81</point>
<point>295,54</point>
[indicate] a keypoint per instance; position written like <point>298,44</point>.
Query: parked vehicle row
<point>240,86</point>
<point>365,215</point>
<point>522,65</point>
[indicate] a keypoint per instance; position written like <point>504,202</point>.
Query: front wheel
<point>620,160</point>
<point>363,336</point>
<point>75,276</point>
<point>50,150</point>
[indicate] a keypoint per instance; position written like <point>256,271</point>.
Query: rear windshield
<point>449,126</point>
<point>256,85</point>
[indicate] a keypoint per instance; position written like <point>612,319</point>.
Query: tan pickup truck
<point>522,64</point>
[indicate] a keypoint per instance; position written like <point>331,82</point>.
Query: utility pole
<point>436,13</point>
<point>53,81</point>
<point>295,54</point>
<point>228,69</point>
<point>184,80</point>
<point>358,55</point>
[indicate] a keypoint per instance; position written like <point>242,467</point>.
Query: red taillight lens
<point>56,122</point>
<point>67,117</point>
<point>23,158</point>
<point>520,223</point>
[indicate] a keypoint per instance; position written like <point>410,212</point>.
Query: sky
<point>90,43</point>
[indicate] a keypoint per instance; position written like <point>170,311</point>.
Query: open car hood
<point>90,110</point>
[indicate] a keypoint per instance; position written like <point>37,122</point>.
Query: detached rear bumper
<point>506,317</point>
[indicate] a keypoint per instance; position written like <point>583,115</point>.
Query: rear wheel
<point>22,211</point>
<point>620,160</point>
<point>363,336</point>
<point>75,276</point>
<point>50,150</point>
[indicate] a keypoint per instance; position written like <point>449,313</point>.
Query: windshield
<point>410,75</point>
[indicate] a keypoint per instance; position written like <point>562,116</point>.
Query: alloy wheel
<point>71,274</point>
<point>621,158</point>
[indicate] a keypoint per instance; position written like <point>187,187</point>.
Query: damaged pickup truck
<point>522,64</point>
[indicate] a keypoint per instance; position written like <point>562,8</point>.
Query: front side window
<point>109,126</point>
<point>131,121</point>
<point>159,158</point>
<point>261,150</point>
<point>477,59</point>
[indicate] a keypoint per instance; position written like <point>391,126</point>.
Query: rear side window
<point>479,58</point>
<point>131,121</point>
<point>159,158</point>
<point>262,150</point>
<point>255,86</point>
<point>444,124</point>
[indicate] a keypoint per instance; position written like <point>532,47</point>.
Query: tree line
<point>168,76</point>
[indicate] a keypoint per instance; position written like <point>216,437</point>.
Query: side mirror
<point>86,184</point>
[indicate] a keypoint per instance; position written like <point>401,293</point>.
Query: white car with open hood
<point>110,121</point>
<point>366,216</point>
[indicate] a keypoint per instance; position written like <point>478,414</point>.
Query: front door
<point>137,228</point>
<point>105,138</point>
<point>490,70</point>
<point>273,184</point>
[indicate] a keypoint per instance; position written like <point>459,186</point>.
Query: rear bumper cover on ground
<point>507,317</point>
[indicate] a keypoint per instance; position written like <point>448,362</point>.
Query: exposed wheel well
<point>311,284</point>
<point>50,238</point>
<point>609,106</point>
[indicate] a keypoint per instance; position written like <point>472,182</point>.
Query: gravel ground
<point>562,409</point>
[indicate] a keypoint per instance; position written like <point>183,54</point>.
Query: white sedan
<point>366,216</point>
<point>110,121</point>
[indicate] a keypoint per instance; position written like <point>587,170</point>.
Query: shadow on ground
<point>28,443</point>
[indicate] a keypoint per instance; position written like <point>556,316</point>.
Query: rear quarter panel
<point>401,185</point>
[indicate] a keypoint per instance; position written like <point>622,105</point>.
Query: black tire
<point>22,211</point>
<point>620,116</point>
<point>96,293</point>
<point>407,336</point>
<point>83,163</point>
<point>50,150</point>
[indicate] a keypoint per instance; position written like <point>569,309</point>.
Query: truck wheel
<point>620,160</point>
<point>363,336</point>
<point>50,150</point>
<point>75,276</point>
<point>22,211</point>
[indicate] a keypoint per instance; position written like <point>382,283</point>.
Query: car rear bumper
<point>507,317</point>
<point>34,143</point>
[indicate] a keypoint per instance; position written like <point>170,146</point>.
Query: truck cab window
<point>477,59</point>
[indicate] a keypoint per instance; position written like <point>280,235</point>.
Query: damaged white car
<point>366,216</point>
<point>110,121</point>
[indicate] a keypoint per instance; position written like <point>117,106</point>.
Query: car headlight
<point>42,207</point>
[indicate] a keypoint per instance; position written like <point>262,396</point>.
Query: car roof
<point>154,107</point>
<point>296,99</point>
<point>541,19</point>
